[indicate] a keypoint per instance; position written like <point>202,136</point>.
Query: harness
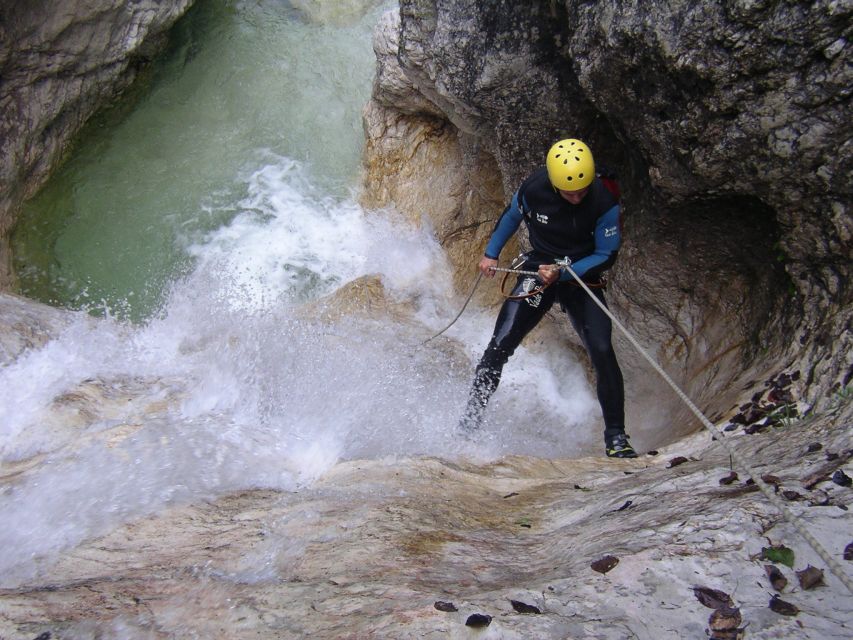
<point>521,259</point>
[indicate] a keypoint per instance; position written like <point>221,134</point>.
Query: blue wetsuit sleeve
<point>608,239</point>
<point>507,225</point>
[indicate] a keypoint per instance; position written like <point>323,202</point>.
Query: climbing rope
<point>452,322</point>
<point>471,295</point>
<point>793,520</point>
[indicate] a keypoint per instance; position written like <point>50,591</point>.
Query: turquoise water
<point>241,81</point>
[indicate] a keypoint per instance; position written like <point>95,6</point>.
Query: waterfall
<point>209,227</point>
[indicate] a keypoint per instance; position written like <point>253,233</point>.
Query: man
<point>569,213</point>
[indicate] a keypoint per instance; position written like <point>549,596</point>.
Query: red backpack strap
<point>612,186</point>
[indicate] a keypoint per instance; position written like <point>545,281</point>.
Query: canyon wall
<point>728,124</point>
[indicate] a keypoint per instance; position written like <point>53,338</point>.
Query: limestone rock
<point>368,550</point>
<point>728,126</point>
<point>25,324</point>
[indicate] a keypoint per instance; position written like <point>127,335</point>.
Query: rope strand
<point>831,562</point>
<point>793,520</point>
<point>467,300</point>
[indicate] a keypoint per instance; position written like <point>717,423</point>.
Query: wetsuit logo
<point>610,232</point>
<point>541,217</point>
<point>528,285</point>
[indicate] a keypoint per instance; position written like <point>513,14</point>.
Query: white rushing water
<point>238,383</point>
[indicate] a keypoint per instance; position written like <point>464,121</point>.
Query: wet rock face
<point>728,124</point>
<point>426,548</point>
<point>60,62</point>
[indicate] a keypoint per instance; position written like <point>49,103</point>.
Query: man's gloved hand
<point>549,274</point>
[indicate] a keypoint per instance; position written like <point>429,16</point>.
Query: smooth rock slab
<point>366,551</point>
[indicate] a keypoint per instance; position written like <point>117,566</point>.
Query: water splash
<point>247,377</point>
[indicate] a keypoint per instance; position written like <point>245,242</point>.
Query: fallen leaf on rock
<point>810,577</point>
<point>776,577</point>
<point>677,461</point>
<point>780,395</point>
<point>814,446</point>
<point>779,553</point>
<point>511,495</point>
<point>842,479</point>
<point>605,564</point>
<point>771,479</point>
<point>627,505</point>
<point>713,598</point>
<point>724,621</point>
<point>653,452</point>
<point>755,428</point>
<point>445,606</point>
<point>729,478</point>
<point>478,620</point>
<point>784,608</point>
<point>523,607</point>
<point>793,496</point>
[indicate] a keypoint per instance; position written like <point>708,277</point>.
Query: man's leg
<point>594,327</point>
<point>515,320</point>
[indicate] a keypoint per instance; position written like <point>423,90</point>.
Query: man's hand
<point>549,274</point>
<point>487,266</point>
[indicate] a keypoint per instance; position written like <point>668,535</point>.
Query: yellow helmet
<point>570,165</point>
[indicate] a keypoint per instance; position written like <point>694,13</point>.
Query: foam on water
<point>238,385</point>
<point>238,382</point>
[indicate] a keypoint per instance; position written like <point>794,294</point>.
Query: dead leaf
<point>729,478</point>
<point>842,479</point>
<point>713,598</point>
<point>793,496</point>
<point>810,577</point>
<point>776,577</point>
<point>478,620</point>
<point>624,506</point>
<point>445,606</point>
<point>725,619</point>
<point>523,607</point>
<point>769,479</point>
<point>677,461</point>
<point>605,564</point>
<point>784,608</point>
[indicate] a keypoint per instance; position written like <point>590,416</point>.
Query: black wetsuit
<point>589,235</point>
